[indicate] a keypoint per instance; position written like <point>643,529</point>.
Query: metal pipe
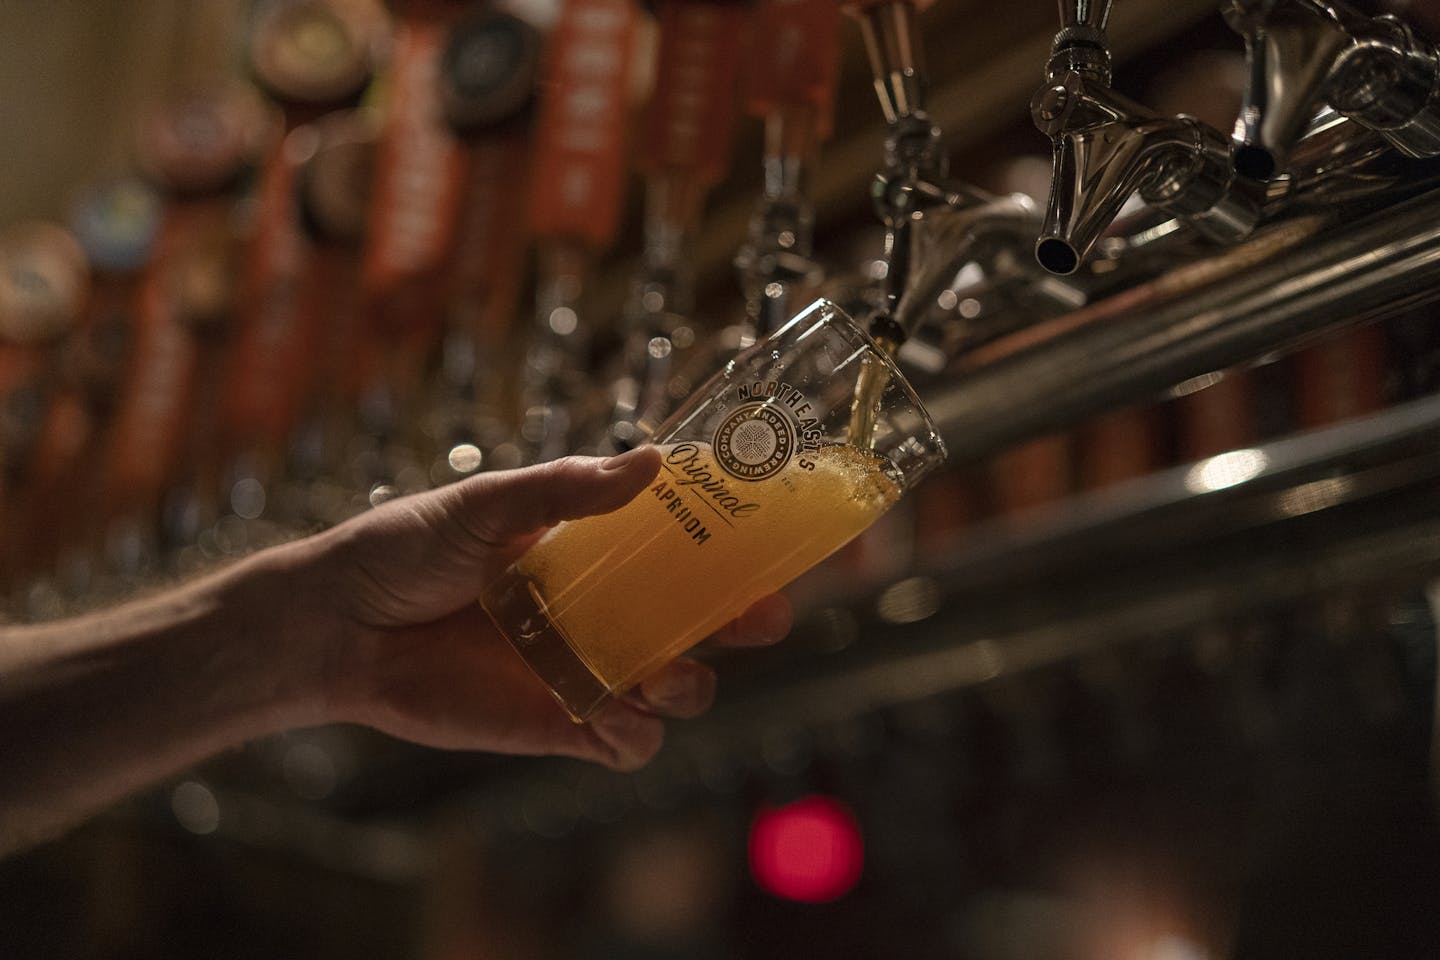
<point>1386,262</point>
<point>1084,13</point>
<point>888,30</point>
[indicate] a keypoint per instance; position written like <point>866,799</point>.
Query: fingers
<point>767,621</point>
<point>498,507</point>
<point>626,734</point>
<point>622,737</point>
<point>682,689</point>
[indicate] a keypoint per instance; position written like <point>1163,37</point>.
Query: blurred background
<point>1148,672</point>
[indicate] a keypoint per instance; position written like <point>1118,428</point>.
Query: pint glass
<point>760,479</point>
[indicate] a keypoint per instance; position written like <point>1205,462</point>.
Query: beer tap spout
<point>1105,147</point>
<point>1305,55</point>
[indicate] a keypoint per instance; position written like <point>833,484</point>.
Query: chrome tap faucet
<point>915,161</point>
<point>1106,146</point>
<point>1305,55</point>
<point>933,225</point>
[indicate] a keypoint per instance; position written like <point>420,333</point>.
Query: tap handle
<point>580,142</point>
<point>690,120</point>
<point>796,57</point>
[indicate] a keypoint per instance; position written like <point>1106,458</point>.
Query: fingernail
<point>759,628</point>
<point>622,460</point>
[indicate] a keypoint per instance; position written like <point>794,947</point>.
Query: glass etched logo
<point>755,442</point>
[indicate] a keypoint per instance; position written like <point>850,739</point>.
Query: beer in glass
<point>759,480</point>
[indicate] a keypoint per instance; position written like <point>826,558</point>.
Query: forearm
<point>95,708</point>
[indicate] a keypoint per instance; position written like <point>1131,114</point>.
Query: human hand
<point>416,656</point>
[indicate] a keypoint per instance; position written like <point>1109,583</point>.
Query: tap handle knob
<point>1081,45</point>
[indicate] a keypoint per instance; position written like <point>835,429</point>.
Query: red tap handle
<point>795,57</point>
<point>419,176</point>
<point>579,167</point>
<point>272,353</point>
<point>151,414</point>
<point>691,118</point>
<point>491,243</point>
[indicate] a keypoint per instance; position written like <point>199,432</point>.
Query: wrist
<point>282,610</point>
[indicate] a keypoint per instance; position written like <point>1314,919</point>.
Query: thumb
<point>499,507</point>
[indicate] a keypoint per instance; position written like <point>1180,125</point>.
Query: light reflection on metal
<point>1225,470</point>
<point>909,601</point>
<point>1314,496</point>
<point>1196,384</point>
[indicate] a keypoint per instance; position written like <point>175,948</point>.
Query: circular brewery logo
<point>754,442</point>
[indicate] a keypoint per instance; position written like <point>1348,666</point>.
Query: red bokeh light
<point>809,850</point>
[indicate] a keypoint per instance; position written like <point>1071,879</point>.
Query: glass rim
<point>893,371</point>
